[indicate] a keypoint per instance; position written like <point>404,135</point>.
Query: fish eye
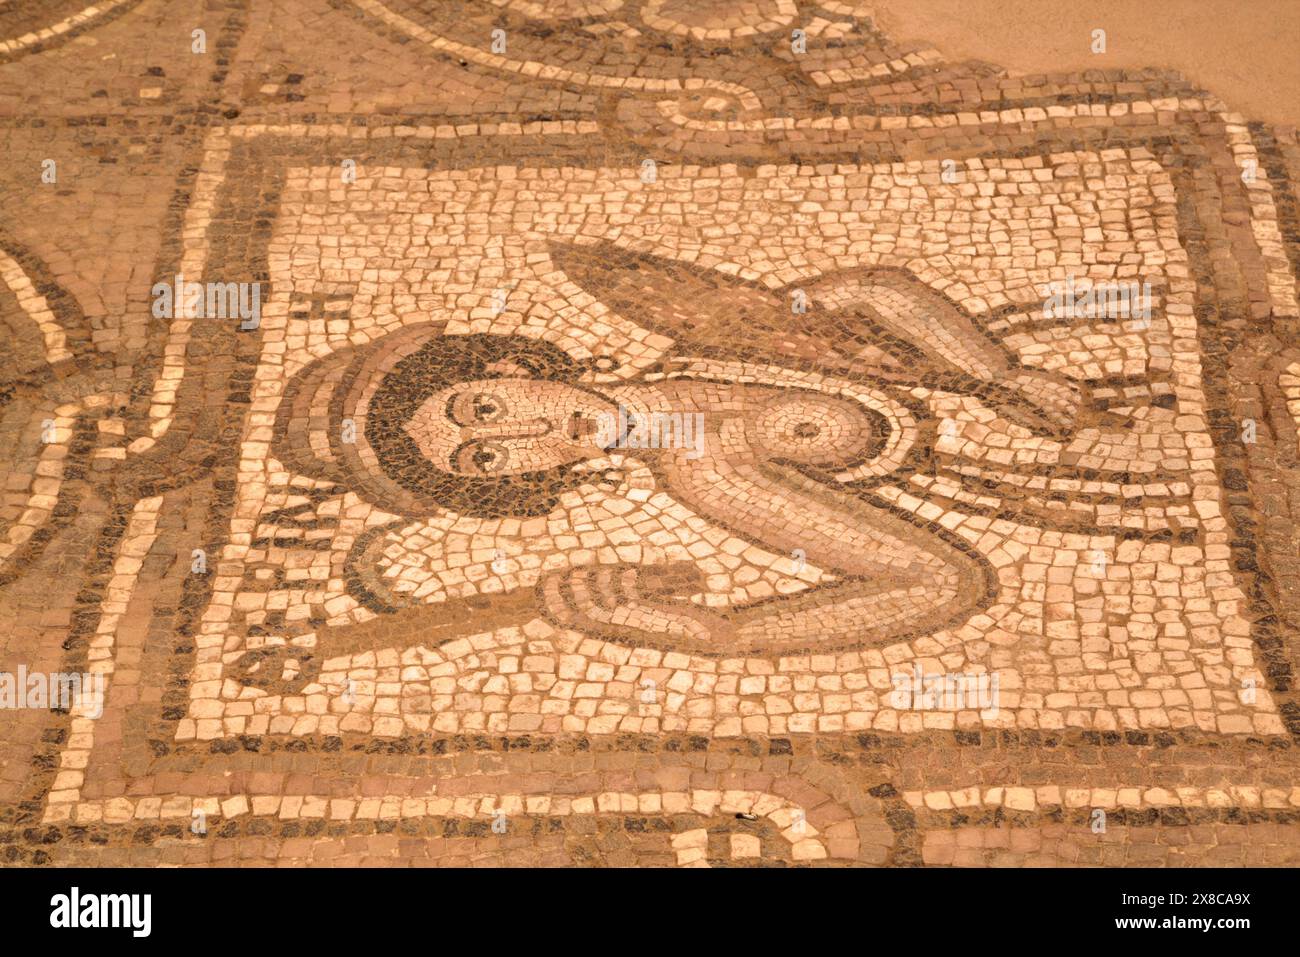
<point>482,458</point>
<point>487,408</point>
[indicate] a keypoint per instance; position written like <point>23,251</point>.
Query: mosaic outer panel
<point>408,626</point>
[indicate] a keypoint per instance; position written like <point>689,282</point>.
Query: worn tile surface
<point>631,432</point>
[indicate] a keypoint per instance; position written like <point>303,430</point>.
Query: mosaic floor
<point>635,432</point>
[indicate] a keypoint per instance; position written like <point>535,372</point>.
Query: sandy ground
<point>1235,48</point>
